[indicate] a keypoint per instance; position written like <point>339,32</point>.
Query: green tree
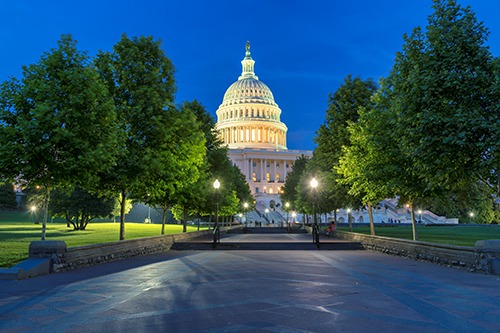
<point>140,78</point>
<point>438,125</point>
<point>79,206</point>
<point>461,200</point>
<point>180,185</point>
<point>217,165</point>
<point>7,197</point>
<point>491,160</point>
<point>333,135</point>
<point>234,190</point>
<point>289,193</point>
<point>129,204</point>
<point>443,123</point>
<point>367,163</point>
<point>57,124</point>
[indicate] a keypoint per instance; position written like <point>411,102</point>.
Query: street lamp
<point>419,215</point>
<point>287,205</point>
<point>314,184</point>
<point>33,213</point>
<point>471,214</point>
<point>315,233</point>
<point>216,187</point>
<point>245,205</point>
<point>149,211</point>
<point>294,215</point>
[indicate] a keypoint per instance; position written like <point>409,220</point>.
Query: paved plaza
<point>287,291</point>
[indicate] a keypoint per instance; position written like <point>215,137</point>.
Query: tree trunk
<point>184,223</point>
<point>46,200</point>
<point>370,215</point>
<point>164,219</point>
<point>349,218</point>
<point>413,224</point>
<point>123,202</point>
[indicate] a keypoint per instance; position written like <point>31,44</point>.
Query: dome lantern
<point>247,65</point>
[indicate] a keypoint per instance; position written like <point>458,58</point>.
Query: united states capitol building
<point>249,123</point>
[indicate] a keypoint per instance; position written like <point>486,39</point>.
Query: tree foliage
<point>444,125</point>
<point>79,206</point>
<point>427,133</point>
<point>140,79</point>
<point>7,197</point>
<point>290,188</point>
<point>57,124</point>
<point>333,136</point>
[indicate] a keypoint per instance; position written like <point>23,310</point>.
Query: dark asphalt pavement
<point>255,291</point>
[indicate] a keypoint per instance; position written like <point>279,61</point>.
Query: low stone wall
<point>63,259</point>
<point>484,257</point>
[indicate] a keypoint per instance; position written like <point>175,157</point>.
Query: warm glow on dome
<point>248,116</point>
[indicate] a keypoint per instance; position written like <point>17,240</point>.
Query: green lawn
<point>465,235</point>
<point>16,236</point>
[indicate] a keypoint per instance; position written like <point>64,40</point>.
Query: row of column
<point>261,165</point>
<point>250,114</point>
<point>253,134</point>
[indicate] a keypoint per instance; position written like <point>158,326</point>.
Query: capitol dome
<point>248,90</point>
<point>248,116</point>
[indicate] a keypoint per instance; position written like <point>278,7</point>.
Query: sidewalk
<point>254,291</point>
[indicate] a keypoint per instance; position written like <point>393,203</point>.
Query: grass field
<point>17,231</point>
<point>465,235</point>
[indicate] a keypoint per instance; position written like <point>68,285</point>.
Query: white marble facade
<point>248,121</point>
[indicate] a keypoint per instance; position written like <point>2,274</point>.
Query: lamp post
<point>315,233</point>
<point>419,215</point>
<point>245,206</point>
<point>314,184</point>
<point>216,187</point>
<point>294,215</point>
<point>287,205</point>
<point>349,219</point>
<point>149,211</point>
<point>33,213</point>
<point>471,214</point>
<point>266,211</point>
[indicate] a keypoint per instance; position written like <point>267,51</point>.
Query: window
<point>254,176</point>
<point>256,190</point>
<point>268,177</point>
<point>277,177</point>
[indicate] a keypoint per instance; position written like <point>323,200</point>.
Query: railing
<point>216,235</point>
<point>315,234</point>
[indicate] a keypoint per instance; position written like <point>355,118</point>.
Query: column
<point>262,174</point>
<point>245,168</point>
<point>251,170</point>
<point>285,162</point>
<point>273,177</point>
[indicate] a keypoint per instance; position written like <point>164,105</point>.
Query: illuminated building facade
<point>248,121</point>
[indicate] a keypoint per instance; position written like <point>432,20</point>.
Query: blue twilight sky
<point>303,49</point>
